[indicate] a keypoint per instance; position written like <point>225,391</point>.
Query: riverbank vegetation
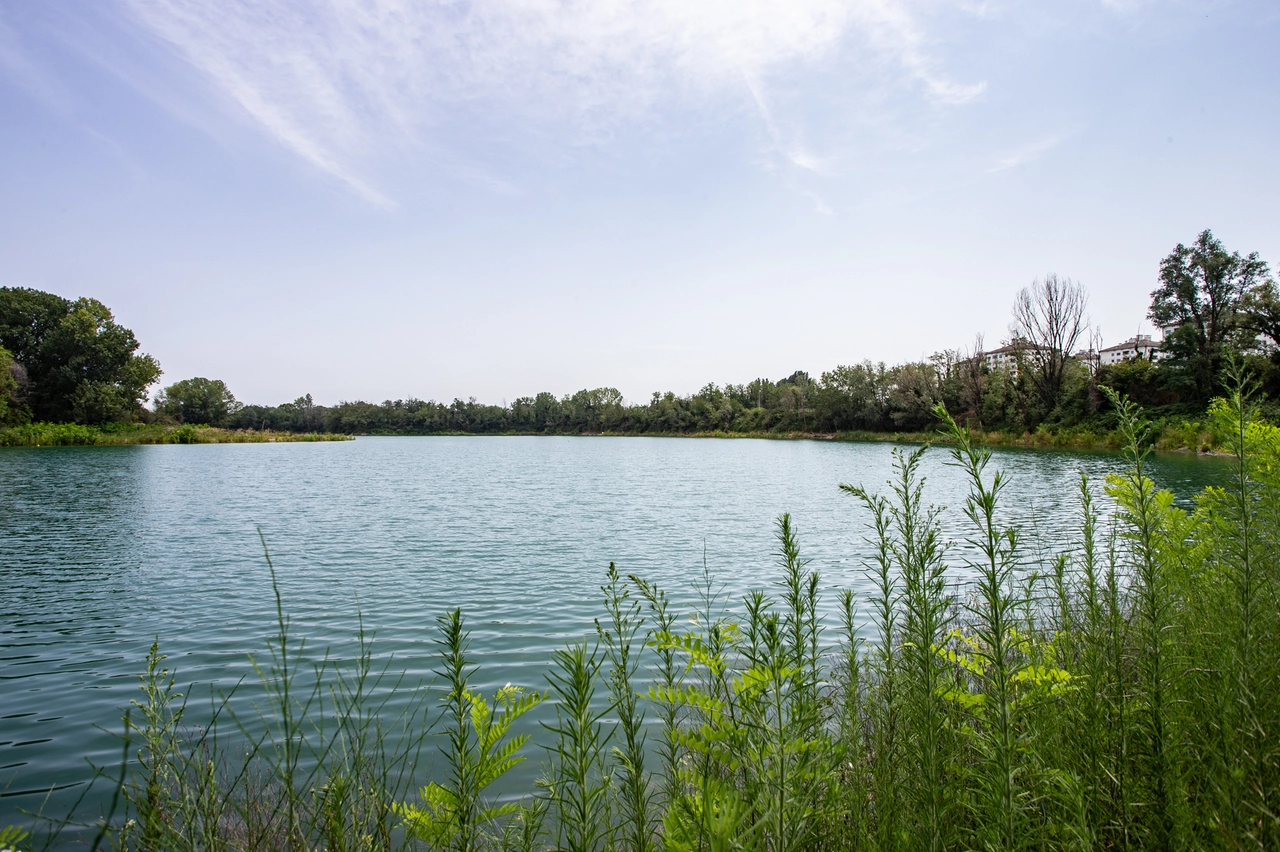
<point>114,434</point>
<point>1123,693</point>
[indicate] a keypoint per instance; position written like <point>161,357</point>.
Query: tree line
<point>68,361</point>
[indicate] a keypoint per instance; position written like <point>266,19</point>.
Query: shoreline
<point>1171,440</point>
<point>1182,439</point>
<point>73,435</point>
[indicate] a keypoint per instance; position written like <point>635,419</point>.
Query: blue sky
<point>449,199</point>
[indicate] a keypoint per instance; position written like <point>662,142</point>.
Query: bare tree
<point>971,371</point>
<point>1094,352</point>
<point>1050,315</point>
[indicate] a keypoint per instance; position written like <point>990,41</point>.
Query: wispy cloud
<point>1027,153</point>
<point>340,83</point>
<point>891,28</point>
<point>792,150</point>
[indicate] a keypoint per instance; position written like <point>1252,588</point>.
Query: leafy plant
<point>455,815</point>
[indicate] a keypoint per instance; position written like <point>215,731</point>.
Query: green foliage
<point>81,366</point>
<point>318,765</point>
<point>10,837</point>
<point>1204,297</point>
<point>186,434</point>
<point>12,409</point>
<point>202,402</point>
<point>858,402</point>
<point>455,815</point>
<point>580,781</point>
<point>49,435</point>
<point>71,434</point>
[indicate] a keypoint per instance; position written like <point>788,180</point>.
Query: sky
<point>444,199</point>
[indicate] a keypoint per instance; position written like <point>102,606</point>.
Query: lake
<point>102,549</point>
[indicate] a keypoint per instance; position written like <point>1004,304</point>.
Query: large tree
<point>853,396</point>
<point>1050,314</point>
<point>1198,302</point>
<point>201,401</point>
<point>80,365</point>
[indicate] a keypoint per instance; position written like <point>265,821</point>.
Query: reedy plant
<point>309,767</point>
<point>849,797</point>
<point>1147,515</point>
<point>634,794</point>
<point>883,700</point>
<point>706,806</point>
<point>917,549</point>
<point>667,677</point>
<point>1082,636</point>
<point>579,782</point>
<point>1237,599</point>
<point>1001,660</point>
<point>760,755</point>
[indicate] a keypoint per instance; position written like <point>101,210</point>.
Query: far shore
<point>1188,438</point>
<point>73,435</point>
<point>1174,440</point>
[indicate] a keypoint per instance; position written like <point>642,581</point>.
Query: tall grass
<point>1121,694</point>
<point>72,434</point>
<point>318,763</point>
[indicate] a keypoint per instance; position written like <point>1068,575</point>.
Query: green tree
<point>914,390</point>
<point>80,365</point>
<point>11,408</point>
<point>1261,309</point>
<point>202,401</point>
<point>1199,300</point>
<point>853,396</point>
<point>594,410</point>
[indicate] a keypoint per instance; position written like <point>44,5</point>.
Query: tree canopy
<point>11,408</point>
<point>200,401</point>
<point>79,364</point>
<point>1202,290</point>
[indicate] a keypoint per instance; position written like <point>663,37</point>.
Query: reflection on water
<point>104,548</point>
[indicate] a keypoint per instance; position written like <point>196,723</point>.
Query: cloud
<point>892,29</point>
<point>1026,154</point>
<point>344,83</point>
<point>791,150</point>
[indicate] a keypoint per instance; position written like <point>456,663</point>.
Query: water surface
<point>103,549</point>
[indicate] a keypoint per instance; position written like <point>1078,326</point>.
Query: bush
<point>49,435</point>
<point>185,434</point>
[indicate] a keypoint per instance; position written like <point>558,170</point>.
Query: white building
<point>1009,356</point>
<point>1141,346</point>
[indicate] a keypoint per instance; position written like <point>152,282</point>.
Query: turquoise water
<point>104,548</point>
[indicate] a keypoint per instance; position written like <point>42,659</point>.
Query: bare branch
<point>1051,315</point>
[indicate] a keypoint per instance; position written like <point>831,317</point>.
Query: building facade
<point>1139,346</point>
<point>1014,353</point>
